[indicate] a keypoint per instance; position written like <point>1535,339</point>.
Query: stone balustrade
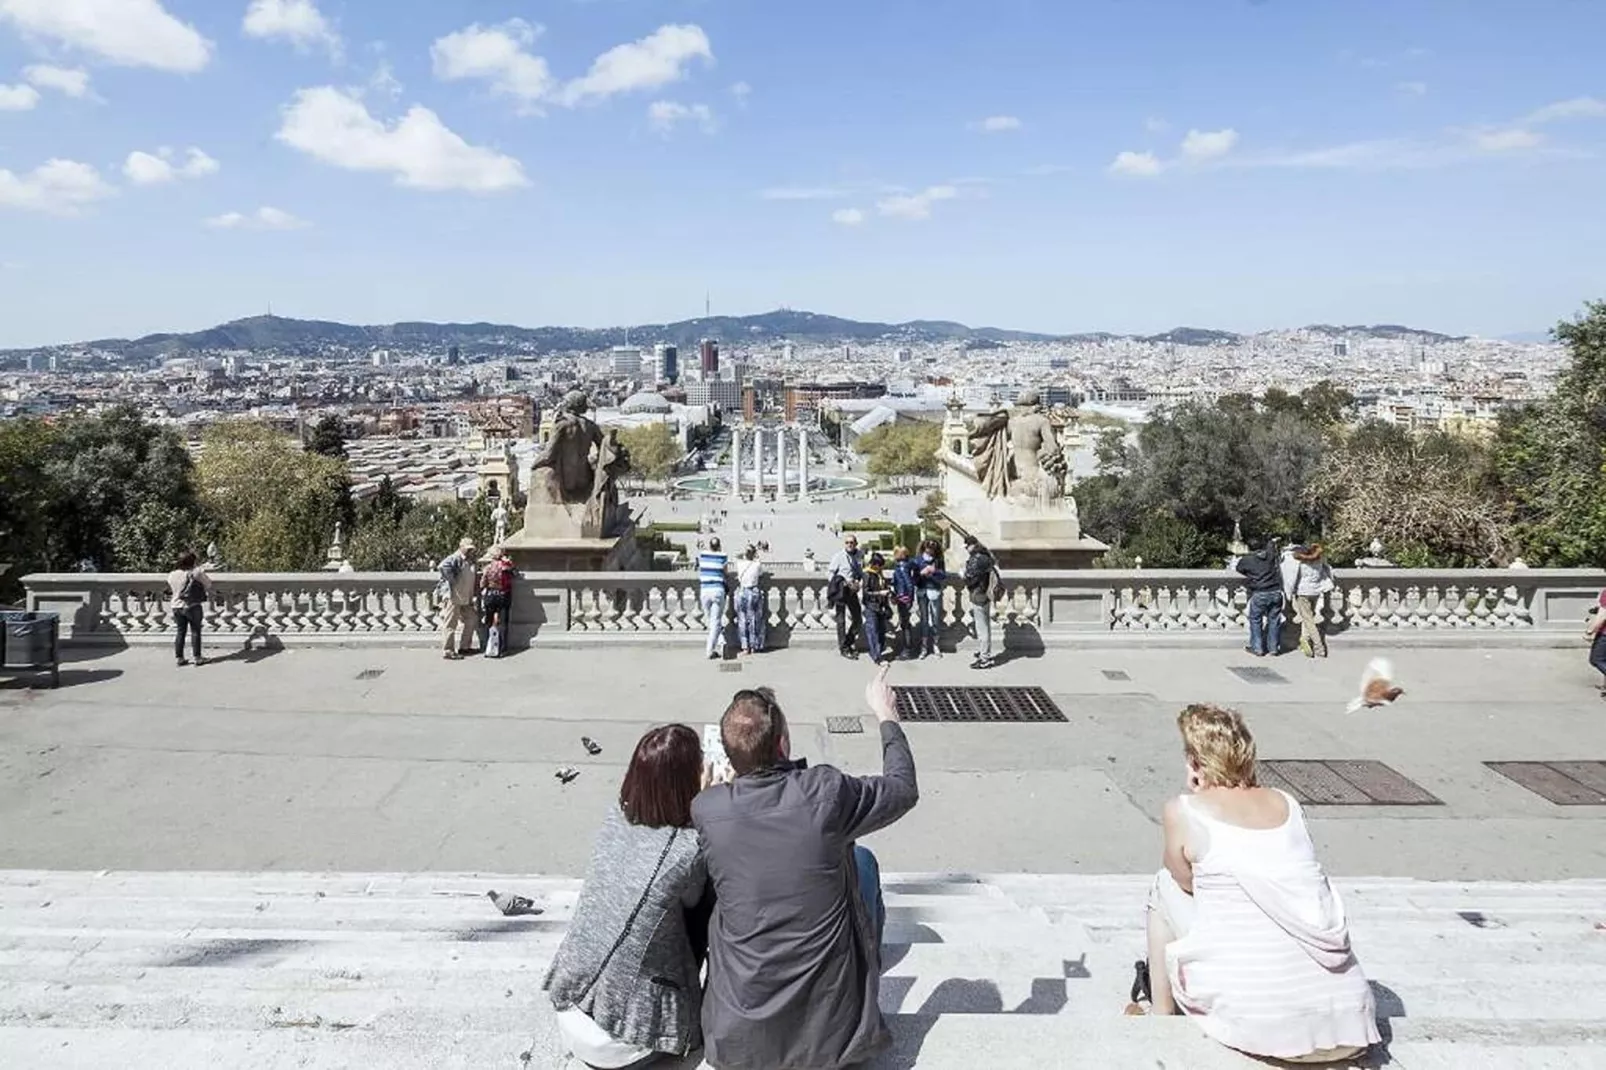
<point>1040,609</point>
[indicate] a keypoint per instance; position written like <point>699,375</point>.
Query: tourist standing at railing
<point>191,589</point>
<point>1595,632</point>
<point>750,608</point>
<point>1306,579</point>
<point>1246,935</point>
<point>845,578</point>
<point>496,598</point>
<point>457,590</point>
<point>1263,579</point>
<point>713,585</point>
<point>794,945</point>
<point>904,593</point>
<point>931,578</point>
<point>982,587</point>
<point>877,608</point>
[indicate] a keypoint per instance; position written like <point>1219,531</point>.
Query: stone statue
<point>563,473</point>
<point>989,452</point>
<point>613,461</point>
<point>1040,463</point>
<point>499,522</point>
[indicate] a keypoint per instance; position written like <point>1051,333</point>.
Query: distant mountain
<point>1528,336</point>
<point>276,334</point>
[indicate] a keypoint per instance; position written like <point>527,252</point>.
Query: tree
<point>25,500</point>
<point>275,504</point>
<point>1550,456</point>
<point>328,438</point>
<point>901,451</point>
<point>654,451</point>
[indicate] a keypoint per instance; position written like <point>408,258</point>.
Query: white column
<point>780,464</point>
<point>802,464</point>
<point>758,463</point>
<point>736,462</point>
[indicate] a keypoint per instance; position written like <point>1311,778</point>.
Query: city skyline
<point>1051,168</point>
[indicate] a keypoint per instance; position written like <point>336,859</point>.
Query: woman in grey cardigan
<point>625,980</point>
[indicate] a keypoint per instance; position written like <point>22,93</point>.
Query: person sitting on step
<point>1246,935</point>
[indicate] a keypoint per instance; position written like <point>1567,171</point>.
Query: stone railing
<point>1039,609</point>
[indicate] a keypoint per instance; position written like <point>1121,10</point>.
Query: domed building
<point>646,403</point>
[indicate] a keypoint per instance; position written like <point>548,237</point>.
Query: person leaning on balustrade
<point>1246,935</point>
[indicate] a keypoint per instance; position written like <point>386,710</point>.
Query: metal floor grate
<point>844,726</point>
<point>1012,704</point>
<point>730,666</point>
<point>1562,783</point>
<point>1342,783</point>
<point>1257,674</point>
<point>370,674</point>
<point>1115,674</point>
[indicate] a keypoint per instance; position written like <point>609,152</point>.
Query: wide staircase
<point>271,970</point>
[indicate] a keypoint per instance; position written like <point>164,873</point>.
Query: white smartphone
<point>714,749</point>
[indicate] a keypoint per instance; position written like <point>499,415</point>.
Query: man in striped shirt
<point>711,581</point>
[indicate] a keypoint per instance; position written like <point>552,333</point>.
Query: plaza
<point>281,859</point>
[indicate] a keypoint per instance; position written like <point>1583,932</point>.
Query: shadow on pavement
<point>40,681</point>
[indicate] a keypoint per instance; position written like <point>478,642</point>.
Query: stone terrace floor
<point>400,776</point>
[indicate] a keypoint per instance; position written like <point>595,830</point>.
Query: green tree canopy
<point>654,451</point>
<point>328,437</point>
<point>275,504</point>
<point>903,450</point>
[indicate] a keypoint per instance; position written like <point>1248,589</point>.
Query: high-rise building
<point>237,363</point>
<point>666,363</point>
<point>626,362</point>
<point>708,350</point>
<point>454,355</point>
<point>33,362</point>
<point>55,362</point>
<point>905,355</point>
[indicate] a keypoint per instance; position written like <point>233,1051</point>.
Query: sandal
<point>1141,992</point>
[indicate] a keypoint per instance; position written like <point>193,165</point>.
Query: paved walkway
<point>273,971</point>
<point>393,760</point>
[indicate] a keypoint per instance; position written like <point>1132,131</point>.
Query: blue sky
<point>1058,165</point>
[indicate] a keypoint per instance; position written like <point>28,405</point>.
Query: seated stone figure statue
<point>564,473</point>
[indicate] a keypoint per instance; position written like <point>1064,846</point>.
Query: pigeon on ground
<point>1377,686</point>
<point>513,905</point>
<point>566,774</point>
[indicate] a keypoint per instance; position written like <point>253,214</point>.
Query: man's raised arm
<point>867,804</point>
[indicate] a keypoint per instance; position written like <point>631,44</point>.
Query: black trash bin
<point>30,641</point>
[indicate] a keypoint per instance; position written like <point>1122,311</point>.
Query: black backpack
<point>193,593</point>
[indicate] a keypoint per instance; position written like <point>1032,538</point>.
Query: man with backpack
<point>984,586</point>
<point>496,595</point>
<point>456,591</point>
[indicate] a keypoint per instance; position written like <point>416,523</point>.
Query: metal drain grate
<point>844,726</point>
<point>1011,704</point>
<point>1115,674</point>
<point>1342,783</point>
<point>1562,783</point>
<point>730,666</point>
<point>1257,674</point>
<point>370,674</point>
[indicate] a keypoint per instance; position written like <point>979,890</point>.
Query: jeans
<point>188,620</point>
<point>847,640</point>
<point>870,889</point>
<point>714,613</point>
<point>1597,655</point>
<point>930,601</point>
<point>875,630</point>
<point>750,622</point>
<point>982,617</point>
<point>906,638</point>
<point>1265,622</point>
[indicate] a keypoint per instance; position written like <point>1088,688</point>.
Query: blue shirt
<point>711,571</point>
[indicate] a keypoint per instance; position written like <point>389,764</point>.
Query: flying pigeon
<point>1377,686</point>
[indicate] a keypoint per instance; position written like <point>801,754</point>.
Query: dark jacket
<point>903,582</point>
<point>793,964</point>
<point>1261,572</point>
<point>640,986</point>
<point>877,593</point>
<point>979,568</point>
<point>937,578</point>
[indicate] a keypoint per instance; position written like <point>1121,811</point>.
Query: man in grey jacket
<point>794,956</point>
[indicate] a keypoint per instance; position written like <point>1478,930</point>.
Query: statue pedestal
<point>1021,533</point>
<point>555,539</point>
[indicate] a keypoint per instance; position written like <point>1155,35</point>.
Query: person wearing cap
<point>457,589</point>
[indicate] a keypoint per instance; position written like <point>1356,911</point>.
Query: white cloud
<point>848,217</point>
<point>1562,110</point>
<point>132,33</point>
<point>152,169</point>
<point>496,54</point>
<point>1136,164</point>
<point>68,81</point>
<point>660,58</point>
<point>384,81</point>
<point>741,91</point>
<point>803,193</point>
<point>1412,89</point>
<point>18,97</point>
<point>1513,140</point>
<point>665,115</point>
<point>334,126</point>
<point>1156,125</point>
<point>59,187</point>
<point>1208,145</point>
<point>297,21</point>
<point>915,206</point>
<point>264,218</point>
<point>997,124</point>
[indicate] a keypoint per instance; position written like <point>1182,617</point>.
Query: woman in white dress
<point>1246,935</point>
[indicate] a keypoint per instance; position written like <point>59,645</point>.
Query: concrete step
<point>331,970</point>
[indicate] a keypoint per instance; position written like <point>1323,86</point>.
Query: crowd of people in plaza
<point>732,909</point>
